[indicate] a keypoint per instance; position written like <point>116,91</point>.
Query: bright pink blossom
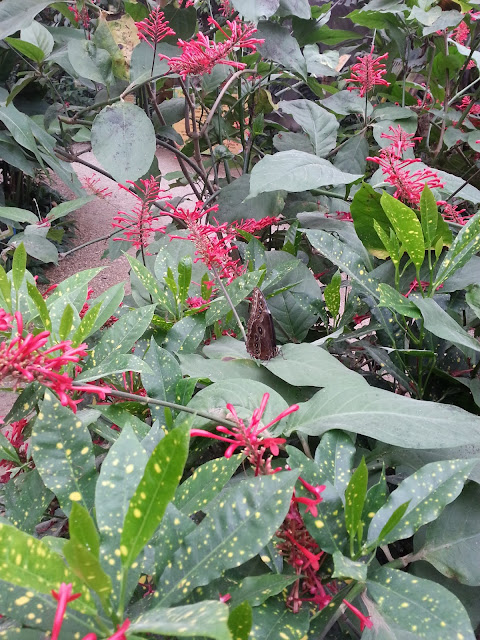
<point>451,213</point>
<point>249,438</point>
<point>400,140</point>
<point>368,72</point>
<point>140,223</point>
<point>364,620</point>
<point>90,184</point>
<point>154,28</point>
<point>5,320</point>
<point>197,302</point>
<point>251,225</point>
<point>415,286</point>
<point>201,55</point>
<point>63,597</point>
<point>23,360</point>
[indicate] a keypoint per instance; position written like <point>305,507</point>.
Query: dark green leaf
<point>161,382</point>
<point>355,495</point>
<point>334,457</point>
<point>319,124</point>
<point>407,227</point>
<point>464,246</point>
<point>240,621</point>
<point>257,589</point>
<point>346,568</point>
<point>19,265</point>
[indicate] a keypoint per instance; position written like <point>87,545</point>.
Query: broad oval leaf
<point>319,124</point>
<point>123,141</point>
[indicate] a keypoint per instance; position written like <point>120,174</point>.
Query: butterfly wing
<point>261,341</point>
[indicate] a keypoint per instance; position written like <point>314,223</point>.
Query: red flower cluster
<point>140,223</point>
<point>368,72</point>
<point>451,213</point>
<point>22,360</point>
<point>415,285</point>
<point>296,544</point>
<point>14,434</point>
<point>81,17</point>
<point>408,185</point>
<point>89,183</point>
<point>63,597</point>
<point>201,55</point>
<point>154,28</point>
<point>5,320</point>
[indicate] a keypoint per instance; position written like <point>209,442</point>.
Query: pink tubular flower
<point>23,360</point>
<point>408,185</point>
<point>368,72</point>
<point>251,225</point>
<point>89,183</point>
<point>81,17</point>
<point>63,597</point>
<point>451,213</point>
<point>248,438</point>
<point>213,243</point>
<point>154,28</point>
<point>197,302</point>
<point>5,320</point>
<point>364,620</point>
<point>201,55</point>
<point>139,224</point>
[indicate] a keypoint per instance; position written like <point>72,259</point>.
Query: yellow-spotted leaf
<point>407,227</point>
<point>157,487</point>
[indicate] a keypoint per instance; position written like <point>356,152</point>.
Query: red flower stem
<point>232,306</point>
<point>170,405</point>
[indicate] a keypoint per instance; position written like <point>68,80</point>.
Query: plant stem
<point>232,306</point>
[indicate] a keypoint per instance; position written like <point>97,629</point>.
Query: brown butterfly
<point>261,342</point>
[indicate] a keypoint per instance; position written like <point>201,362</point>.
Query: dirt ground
<point>92,221</point>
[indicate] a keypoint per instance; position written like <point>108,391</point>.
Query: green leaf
<point>390,242</point>
<point>392,299</point>
<point>116,363</point>
<point>91,62</point>
<point>123,141</point>
<point>428,216</point>
<point>157,487</point>
<point>463,247</point>
<point>355,495</point>
<point>19,266</point>
<point>5,289</point>
<point>319,124</point>
<point>386,416</point>
<point>29,50</point>
<point>257,589</point>
<point>393,520</point>
<point>87,567</point>
<point>272,619</point>
<point>110,301</point>
<point>204,484</point>
<point>39,302</point>
<point>85,328</point>
<point>234,531</point>
<point>66,322</point>
<point>151,284</point>
<point>331,294</point>
<point>409,607</point>
<point>232,206</point>
<point>18,14</point>
<point>295,171</point>
<point>184,278</point>
<point>82,529</point>
<point>8,451</point>
<point>427,491</point>
<point>161,382</point>
<point>123,335</point>
<point>279,45</point>
<point>407,227</point>
<point>120,474</point>
<point>240,621</point>
<point>346,568</point>
<point>441,324</point>
<point>64,208</point>
<point>186,335</point>
<point>208,619</point>
<point>334,457</point>
<point>28,562</point>
<point>253,10</point>
<point>18,215</point>
<point>62,451</point>
<point>237,290</point>
<point>344,258</point>
<point>451,541</point>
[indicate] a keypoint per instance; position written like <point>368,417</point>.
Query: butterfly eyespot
<point>261,343</point>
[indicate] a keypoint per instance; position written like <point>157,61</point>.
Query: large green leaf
<point>204,484</point>
<point>18,14</point>
<point>161,383</point>
<point>295,171</point>
<point>207,619</point>
<point>232,206</point>
<point>334,457</point>
<point>253,10</point>
<point>186,335</point>
<point>273,619</point>
<point>116,363</point>
<point>407,227</point>
<point>386,416</point>
<point>427,492</point>
<point>451,541</point>
<point>464,246</point>
<point>39,36</point>
<point>319,124</point>
<point>355,495</point>
<point>27,561</point>
<point>366,208</point>
<point>155,490</point>
<point>62,451</point>
<point>123,141</point>
<point>279,45</point>
<point>90,61</point>
<point>441,324</point>
<point>18,215</point>
<point>257,589</point>
<point>345,258</point>
<point>120,474</point>
<point>26,498</point>
<point>410,607</point>
<point>239,526</point>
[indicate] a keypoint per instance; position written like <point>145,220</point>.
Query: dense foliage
<point>156,479</point>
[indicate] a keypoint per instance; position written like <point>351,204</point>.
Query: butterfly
<point>261,342</point>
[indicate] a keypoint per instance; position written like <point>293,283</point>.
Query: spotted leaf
<point>238,290</point>
<point>464,246</point>
<point>154,288</point>
<point>26,498</point>
<point>334,457</point>
<point>355,495</point>
<point>116,363</point>
<point>407,606</point>
<point>205,483</point>
<point>257,589</point>
<point>242,523</point>
<point>407,227</point>
<point>62,451</point>
<point>208,619</point>
<point>186,335</point>
<point>120,474</point>
<point>428,491</point>
<point>272,619</point>
<point>161,382</point>
<point>240,621</point>
<point>174,527</point>
<point>28,562</point>
<point>157,487</point>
